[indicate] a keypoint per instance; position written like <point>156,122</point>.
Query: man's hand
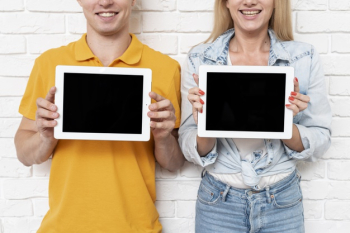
<point>46,115</point>
<point>166,147</point>
<point>34,139</point>
<point>162,114</point>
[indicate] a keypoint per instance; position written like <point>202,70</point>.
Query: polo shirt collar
<point>82,50</point>
<point>131,56</point>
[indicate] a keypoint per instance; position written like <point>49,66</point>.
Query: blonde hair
<point>280,22</point>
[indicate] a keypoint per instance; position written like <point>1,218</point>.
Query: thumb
<point>196,78</point>
<point>51,95</point>
<point>296,85</point>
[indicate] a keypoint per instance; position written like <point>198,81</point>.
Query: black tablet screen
<point>245,102</point>
<point>102,103</point>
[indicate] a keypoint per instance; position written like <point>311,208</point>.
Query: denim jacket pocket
<point>208,196</point>
<point>288,197</point>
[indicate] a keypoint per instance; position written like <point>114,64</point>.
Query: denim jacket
<point>313,123</point>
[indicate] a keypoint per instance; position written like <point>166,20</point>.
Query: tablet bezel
<point>288,116</point>
<point>147,85</point>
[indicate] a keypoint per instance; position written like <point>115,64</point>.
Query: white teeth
<point>250,12</point>
<point>107,14</point>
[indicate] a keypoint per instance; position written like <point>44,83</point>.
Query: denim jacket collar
<point>217,51</point>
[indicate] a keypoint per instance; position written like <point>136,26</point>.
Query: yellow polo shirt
<point>102,186</point>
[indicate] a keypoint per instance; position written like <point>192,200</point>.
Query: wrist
<point>47,140</point>
<point>205,145</point>
<point>163,139</point>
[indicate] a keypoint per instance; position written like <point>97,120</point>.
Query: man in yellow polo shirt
<point>101,186</point>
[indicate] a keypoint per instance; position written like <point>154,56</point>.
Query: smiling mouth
<point>250,13</point>
<point>107,14</point>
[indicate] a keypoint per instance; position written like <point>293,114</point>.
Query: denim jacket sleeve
<point>188,128</point>
<point>315,121</point>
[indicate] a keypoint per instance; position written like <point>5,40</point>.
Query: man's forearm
<point>168,153</point>
<point>31,148</point>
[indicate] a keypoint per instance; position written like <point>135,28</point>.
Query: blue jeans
<point>275,209</point>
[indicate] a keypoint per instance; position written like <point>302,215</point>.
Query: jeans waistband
<point>243,193</point>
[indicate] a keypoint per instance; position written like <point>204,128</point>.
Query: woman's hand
<point>298,102</point>
<point>194,95</point>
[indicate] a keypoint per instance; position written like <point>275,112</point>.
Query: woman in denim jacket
<point>251,185</point>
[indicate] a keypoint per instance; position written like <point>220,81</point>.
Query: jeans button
<point>250,193</point>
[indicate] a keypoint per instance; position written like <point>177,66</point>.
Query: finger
<point>43,113</point>
<point>44,103</point>
<point>163,125</point>
<point>164,104</point>
<point>166,115</point>
<point>195,114</point>
<point>294,108</point>
<point>196,78</point>
<point>296,85</point>
<point>198,107</point>
<point>300,97</point>
<point>43,123</point>
<point>196,91</point>
<point>51,95</point>
<point>300,104</point>
<point>195,98</point>
<point>156,97</point>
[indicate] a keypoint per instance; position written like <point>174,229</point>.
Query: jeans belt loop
<point>203,173</point>
<point>268,194</point>
<point>224,194</point>
<point>298,175</point>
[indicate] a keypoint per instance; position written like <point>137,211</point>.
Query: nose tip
<point>250,2</point>
<point>105,2</point>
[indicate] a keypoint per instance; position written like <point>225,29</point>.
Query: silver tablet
<point>246,102</point>
<point>103,103</point>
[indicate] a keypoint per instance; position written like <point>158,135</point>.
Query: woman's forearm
<point>295,142</point>
<point>205,145</point>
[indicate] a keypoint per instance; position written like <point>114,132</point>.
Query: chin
<point>252,28</point>
<point>108,31</point>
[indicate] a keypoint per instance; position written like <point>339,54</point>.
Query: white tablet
<point>246,102</point>
<point>103,103</point>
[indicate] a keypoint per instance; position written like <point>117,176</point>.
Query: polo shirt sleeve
<point>35,89</point>
<point>174,95</point>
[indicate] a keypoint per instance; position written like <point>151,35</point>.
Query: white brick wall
<point>29,27</point>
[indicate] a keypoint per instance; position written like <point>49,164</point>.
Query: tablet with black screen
<point>102,103</point>
<point>246,102</point>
